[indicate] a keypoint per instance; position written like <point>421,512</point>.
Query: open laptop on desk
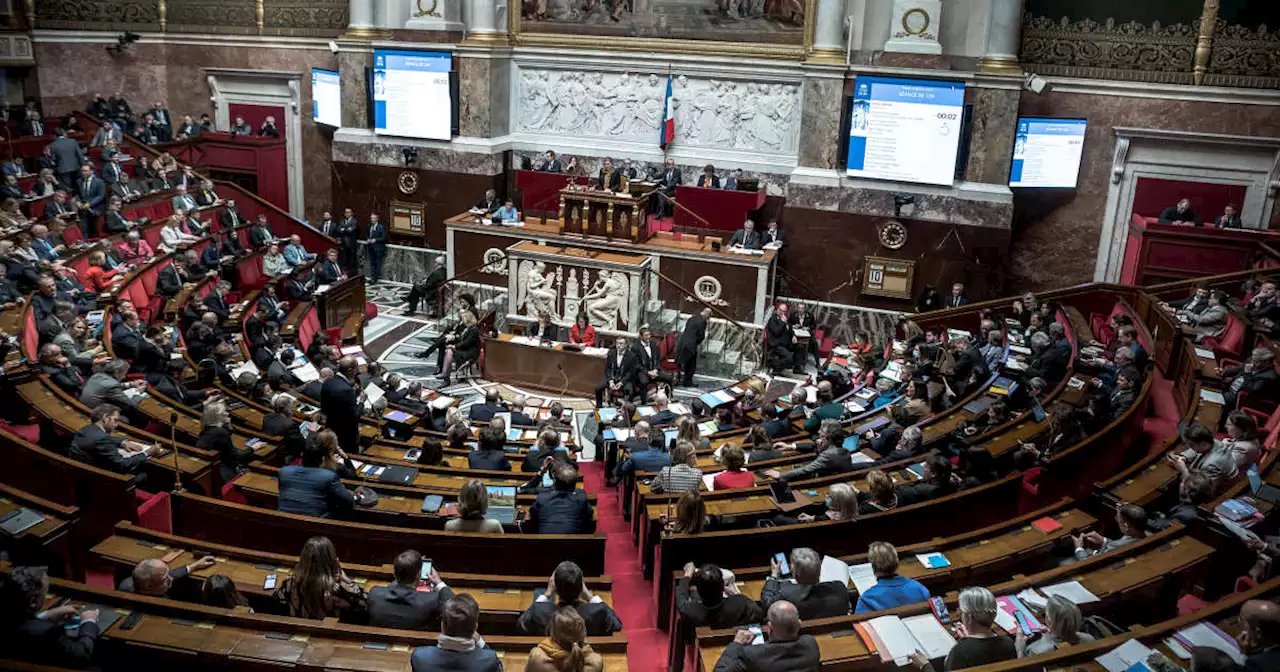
<point>502,503</point>
<point>1261,489</point>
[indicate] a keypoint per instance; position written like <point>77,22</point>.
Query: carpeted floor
<point>632,595</point>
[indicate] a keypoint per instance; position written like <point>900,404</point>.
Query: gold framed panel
<point>888,277</point>
<point>518,37</point>
<point>408,219</point>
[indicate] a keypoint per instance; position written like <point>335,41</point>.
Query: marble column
<point>993,123</point>
<point>1004,38</point>
<point>351,76</point>
<point>361,17</point>
<point>484,91</point>
<point>820,117</point>
<point>481,18</point>
<point>828,32</point>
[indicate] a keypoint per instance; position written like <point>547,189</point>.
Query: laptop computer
<point>502,503</point>
<point>1261,489</point>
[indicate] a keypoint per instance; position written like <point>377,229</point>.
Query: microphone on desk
<point>173,445</point>
<point>565,389</point>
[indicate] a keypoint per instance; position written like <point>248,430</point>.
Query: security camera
<point>333,46</point>
<point>1035,83</point>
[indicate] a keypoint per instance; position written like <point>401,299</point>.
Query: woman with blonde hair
<point>1063,618</point>
<point>473,503</point>
<point>687,430</point>
<point>318,588</point>
<point>565,649</point>
<point>842,504</point>
<point>215,437</point>
<point>691,515</point>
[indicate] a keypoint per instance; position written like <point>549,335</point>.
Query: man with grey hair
<point>747,237</point>
<point>812,598</point>
<point>153,578</point>
<point>785,651</point>
<point>518,416</point>
<point>1047,361</point>
<point>107,386</point>
<point>428,287</point>
<point>993,350</point>
<point>1256,377</point>
<point>1180,214</point>
<point>832,457</point>
<point>970,367</point>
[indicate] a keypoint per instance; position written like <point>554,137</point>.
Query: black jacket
<point>491,460</point>
<point>695,331</point>
<point>399,606</point>
<point>94,446</point>
<point>797,655</point>
<point>169,282</point>
<point>729,612</point>
<point>175,390</point>
<point>485,412</point>
<point>600,618</point>
<point>338,402</point>
<point>819,600</point>
<point>625,371</point>
<point>41,641</point>
<point>559,512</point>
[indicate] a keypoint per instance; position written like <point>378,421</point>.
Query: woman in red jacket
<point>97,279</point>
<point>733,476</point>
<point>582,331</point>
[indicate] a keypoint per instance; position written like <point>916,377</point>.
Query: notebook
<point>18,521</point>
<point>1261,489</point>
<point>502,503</point>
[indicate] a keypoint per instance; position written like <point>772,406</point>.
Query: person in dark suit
<point>400,604</point>
<point>773,235</point>
<point>171,277</point>
<point>649,364</point>
<point>34,126</point>
<point>812,599</point>
<point>1180,214</point>
<point>620,368</point>
<point>564,509</point>
<point>339,401</point>
<point>269,129</point>
<point>708,179</point>
<point>68,157</point>
<point>786,651</point>
<point>785,350</point>
<point>230,217</point>
<point>376,244</point>
<point>59,369</point>
<point>348,232</point>
<point>970,367</point>
<point>91,197</point>
<point>279,374</point>
<point>518,417</point>
<point>1229,219</point>
<point>568,588</point>
<point>1257,377</point>
<point>464,350</point>
<point>671,178</point>
<point>313,488</point>
<point>261,233</point>
<point>489,204</point>
<point>957,297</point>
<point>296,288</point>
<point>731,182</point>
<point>95,445</point>
<point>188,128</point>
<point>215,301</point>
<point>545,329</point>
<point>608,177</point>
<point>488,453</point>
<point>153,348</point>
<point>710,606</point>
<point>832,457</point>
<point>937,482</point>
<point>428,288</point>
<point>169,383</point>
<point>695,331</point>
<point>459,646</point>
<point>491,406</point>
<point>551,164</point>
<point>44,636</point>
<point>1260,635</point>
<point>747,237</point>
<point>800,318</point>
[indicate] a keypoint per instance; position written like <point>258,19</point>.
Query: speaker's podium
<point>616,216</point>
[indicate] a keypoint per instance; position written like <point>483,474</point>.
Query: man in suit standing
<point>551,164</point>
<point>183,200</point>
<point>568,588</point>
<point>695,331</point>
<point>671,178</point>
<point>348,232</point>
<point>970,365</point>
<point>627,170</point>
<point>708,179</point>
<point>620,369</point>
<point>957,297</point>
<point>785,351</point>
<point>33,126</point>
<point>230,217</point>
<point>747,237</point>
<point>68,157</point>
<point>734,178</point>
<point>649,364</point>
<point>812,598</point>
<point>269,129</point>
<point>1229,219</point>
<point>608,178</point>
<point>786,651</point>
<point>801,318</point>
<point>427,288</point>
<point>376,246</point>
<point>400,604</point>
<point>91,195</point>
<point>163,122</point>
<point>340,402</point>
<point>328,226</point>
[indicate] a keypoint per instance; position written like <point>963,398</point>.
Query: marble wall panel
<point>993,122</point>
<point>880,203</point>
<point>820,123</point>
<point>1056,232</point>
<point>371,188</point>
<point>355,98</point>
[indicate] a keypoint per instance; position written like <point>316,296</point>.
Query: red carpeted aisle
<point>632,595</point>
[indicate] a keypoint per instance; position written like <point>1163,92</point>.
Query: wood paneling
<point>367,189</point>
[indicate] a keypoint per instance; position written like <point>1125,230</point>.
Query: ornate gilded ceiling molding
<point>1131,51</point>
<point>1244,56</point>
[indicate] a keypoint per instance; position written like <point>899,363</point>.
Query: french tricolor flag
<point>668,131</point>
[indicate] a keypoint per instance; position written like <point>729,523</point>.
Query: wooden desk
<point>594,212</point>
<point>542,368</point>
<point>45,543</point>
<point>340,301</point>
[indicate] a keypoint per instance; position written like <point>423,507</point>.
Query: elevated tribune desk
<point>593,212</point>
<point>540,367</point>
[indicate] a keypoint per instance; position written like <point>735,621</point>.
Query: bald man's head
<point>784,622</point>
<point>1261,620</point>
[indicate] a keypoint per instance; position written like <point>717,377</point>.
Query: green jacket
<point>830,410</point>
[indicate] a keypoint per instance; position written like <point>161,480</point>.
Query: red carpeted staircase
<point>632,595</point>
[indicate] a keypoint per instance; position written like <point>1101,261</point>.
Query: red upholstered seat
<point>71,234</point>
<point>1228,344</point>
<point>232,494</point>
<point>155,511</point>
<point>667,350</point>
<point>29,432</point>
<point>370,310</point>
<point>1030,493</point>
<point>251,275</point>
<point>30,336</point>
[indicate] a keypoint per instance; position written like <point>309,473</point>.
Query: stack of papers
<point>1205,634</point>
<point>1031,597</point>
<point>595,352</point>
<point>306,372</point>
<point>1071,590</point>
<point>1206,354</point>
<point>706,428</point>
<point>895,639</point>
<point>607,415</point>
<point>933,560</point>
<point>441,402</point>
<point>1212,396</point>
<point>834,569</point>
<point>679,409</point>
<point>1131,653</point>
<point>645,411</point>
<point>862,576</point>
<point>859,458</point>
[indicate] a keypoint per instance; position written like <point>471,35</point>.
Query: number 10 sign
<point>888,277</point>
